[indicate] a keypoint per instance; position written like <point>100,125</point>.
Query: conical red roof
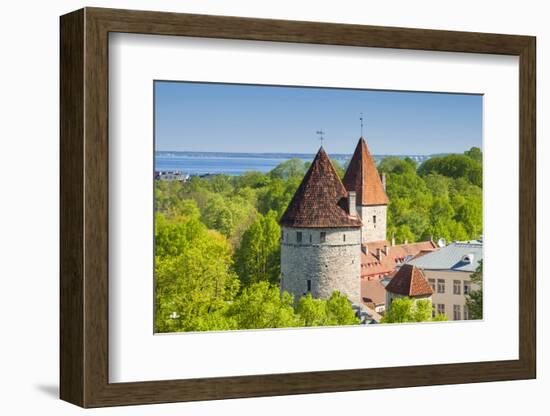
<point>321,199</point>
<point>362,177</point>
<point>409,281</point>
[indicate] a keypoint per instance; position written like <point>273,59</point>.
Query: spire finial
<point>361,118</point>
<point>321,135</point>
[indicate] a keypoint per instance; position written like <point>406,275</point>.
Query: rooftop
<point>409,281</point>
<point>374,264</point>
<point>362,177</point>
<point>459,256</point>
<point>321,200</point>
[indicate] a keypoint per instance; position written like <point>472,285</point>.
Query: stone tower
<point>321,236</point>
<point>362,177</point>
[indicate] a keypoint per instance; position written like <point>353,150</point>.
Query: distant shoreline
<point>278,155</point>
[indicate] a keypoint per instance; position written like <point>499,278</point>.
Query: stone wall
<point>373,231</point>
<point>334,264</point>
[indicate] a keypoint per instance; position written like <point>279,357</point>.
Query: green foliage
<point>277,195</point>
<point>339,310</point>
<point>293,168</point>
<point>454,166</point>
<point>193,273</point>
<point>440,199</point>
<point>263,306</point>
<point>393,164</point>
<point>336,310</point>
<point>217,247</point>
<point>406,309</point>
<point>474,153</point>
<point>474,300</point>
<point>258,257</point>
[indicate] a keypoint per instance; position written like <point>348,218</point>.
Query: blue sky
<point>249,118</point>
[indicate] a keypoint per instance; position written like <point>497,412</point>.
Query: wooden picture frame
<point>84,207</point>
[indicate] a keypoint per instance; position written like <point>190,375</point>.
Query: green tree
<point>474,153</point>
<point>313,312</point>
<point>339,310</point>
<point>406,309</point>
<point>292,168</point>
<point>336,310</point>
<point>263,306</point>
<point>393,164</point>
<point>454,166</point>
<point>193,273</point>
<point>474,299</point>
<point>258,258</point>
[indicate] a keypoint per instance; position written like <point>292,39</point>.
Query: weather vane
<point>361,118</point>
<point>321,135</point>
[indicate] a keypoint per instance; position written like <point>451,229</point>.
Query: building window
<point>323,237</point>
<point>298,236</point>
<point>466,287</point>
<point>310,237</point>
<point>432,283</point>
<point>344,238</point>
<point>309,285</point>
<point>456,312</point>
<point>441,308</point>
<point>456,287</point>
<point>374,219</point>
<point>440,286</point>
<point>466,313</point>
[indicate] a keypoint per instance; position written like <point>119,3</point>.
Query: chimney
<point>386,250</point>
<point>392,239</point>
<point>379,253</point>
<point>352,198</point>
<point>383,179</point>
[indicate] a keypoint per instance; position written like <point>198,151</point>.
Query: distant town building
<point>448,271</point>
<point>408,281</point>
<point>171,176</point>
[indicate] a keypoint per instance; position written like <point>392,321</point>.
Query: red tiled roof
<point>373,291</point>
<point>362,177</point>
<point>372,265</point>
<point>321,199</point>
<point>409,281</point>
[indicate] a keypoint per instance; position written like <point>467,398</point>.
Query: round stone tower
<point>321,236</point>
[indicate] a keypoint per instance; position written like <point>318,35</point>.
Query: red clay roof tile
<point>321,199</point>
<point>362,177</point>
<point>409,281</point>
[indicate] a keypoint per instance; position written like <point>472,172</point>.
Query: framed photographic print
<point>255,207</point>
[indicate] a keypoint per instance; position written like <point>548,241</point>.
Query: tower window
<point>298,236</point>
<point>309,285</point>
<point>374,219</point>
<point>323,237</point>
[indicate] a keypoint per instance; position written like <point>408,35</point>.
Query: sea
<point>204,163</point>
